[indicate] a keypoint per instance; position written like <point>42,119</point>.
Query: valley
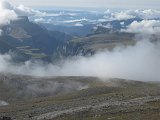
<point>79,62</point>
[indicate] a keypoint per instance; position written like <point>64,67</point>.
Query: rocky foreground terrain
<point>77,98</point>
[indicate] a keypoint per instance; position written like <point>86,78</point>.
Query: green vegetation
<point>34,53</point>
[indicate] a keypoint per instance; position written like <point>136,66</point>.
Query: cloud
<point>122,16</point>
<point>139,62</point>
<point>102,20</point>
<point>145,26</point>
<point>3,103</point>
<point>108,26</point>
<point>21,10</point>
<point>7,14</point>
<point>76,20</point>
<point>79,25</point>
<point>10,12</point>
<point>118,15</point>
<point>54,17</point>
<point>148,13</point>
<point>122,23</point>
<point>52,87</point>
<point>39,20</point>
<point>129,14</point>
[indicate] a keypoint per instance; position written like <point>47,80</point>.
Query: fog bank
<point>139,62</point>
<point>3,103</point>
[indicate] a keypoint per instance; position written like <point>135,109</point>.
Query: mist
<point>3,103</point>
<point>138,62</point>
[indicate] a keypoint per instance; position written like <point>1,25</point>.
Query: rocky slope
<point>114,99</point>
<point>20,87</point>
<point>91,44</point>
<point>31,38</point>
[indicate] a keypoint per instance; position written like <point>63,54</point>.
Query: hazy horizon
<point>91,3</point>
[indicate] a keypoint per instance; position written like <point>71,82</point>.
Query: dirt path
<point>131,102</point>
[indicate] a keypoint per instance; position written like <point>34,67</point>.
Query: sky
<point>92,3</point>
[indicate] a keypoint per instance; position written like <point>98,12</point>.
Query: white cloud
<point>10,12</point>
<point>7,14</point>
<point>122,16</point>
<point>118,15</point>
<point>3,103</point>
<point>139,62</point>
<point>79,25</point>
<point>76,20</point>
<point>149,13</point>
<point>102,20</point>
<point>122,23</point>
<point>25,11</point>
<point>145,26</point>
<point>39,20</point>
<point>129,14</point>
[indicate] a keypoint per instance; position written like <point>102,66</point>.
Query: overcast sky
<point>92,3</point>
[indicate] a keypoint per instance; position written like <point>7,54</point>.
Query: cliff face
<point>89,45</point>
<point>30,34</point>
<point>31,38</point>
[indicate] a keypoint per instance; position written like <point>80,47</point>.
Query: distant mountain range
<point>114,25</point>
<point>78,31</point>
<point>28,40</point>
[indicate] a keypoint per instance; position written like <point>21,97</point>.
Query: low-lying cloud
<point>144,26</point>
<point>3,103</point>
<point>130,14</point>
<point>139,62</point>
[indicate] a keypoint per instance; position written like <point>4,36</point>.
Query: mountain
<point>22,87</point>
<point>40,42</point>
<point>78,31</point>
<point>103,37</point>
<point>114,25</point>
<point>16,54</point>
<point>89,45</point>
<point>5,47</point>
<point>32,39</point>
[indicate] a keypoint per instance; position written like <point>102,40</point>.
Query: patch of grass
<point>33,52</point>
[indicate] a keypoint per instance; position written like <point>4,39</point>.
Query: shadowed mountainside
<point>32,39</point>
